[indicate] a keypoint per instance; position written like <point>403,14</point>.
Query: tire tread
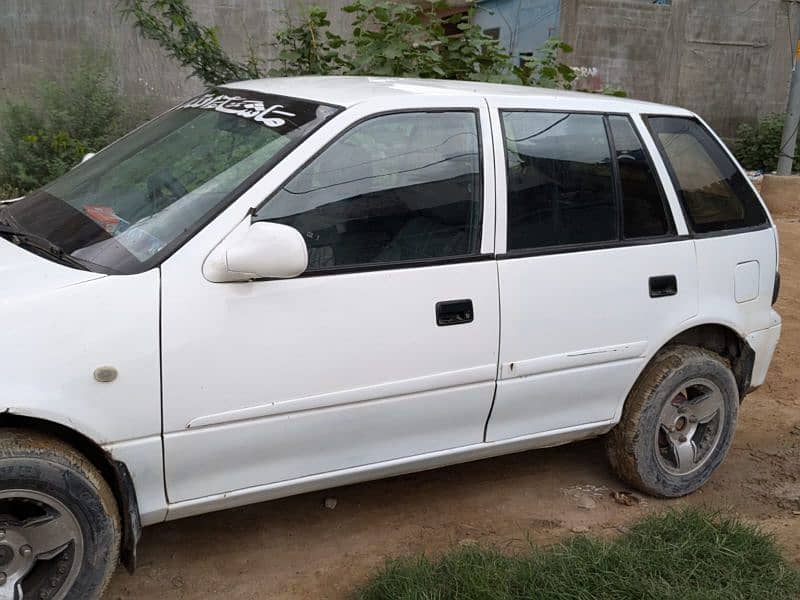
<point>625,435</point>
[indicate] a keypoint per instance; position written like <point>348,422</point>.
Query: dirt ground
<point>297,548</point>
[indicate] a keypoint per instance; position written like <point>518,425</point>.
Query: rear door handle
<point>662,286</point>
<point>454,312</point>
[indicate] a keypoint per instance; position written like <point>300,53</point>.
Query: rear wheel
<point>678,422</point>
<point>59,523</point>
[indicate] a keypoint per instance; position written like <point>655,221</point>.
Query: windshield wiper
<point>38,243</point>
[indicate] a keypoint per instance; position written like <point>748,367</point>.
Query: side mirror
<point>87,157</point>
<point>258,251</point>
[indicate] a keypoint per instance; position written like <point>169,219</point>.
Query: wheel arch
<point>114,472</point>
<point>723,340</point>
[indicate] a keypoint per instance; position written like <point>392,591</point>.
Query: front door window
<point>396,188</point>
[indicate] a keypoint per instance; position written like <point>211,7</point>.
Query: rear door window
<point>714,192</point>
<point>560,180</point>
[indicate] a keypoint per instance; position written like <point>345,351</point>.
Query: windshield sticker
<point>247,108</point>
<point>140,243</point>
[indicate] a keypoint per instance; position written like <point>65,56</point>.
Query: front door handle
<point>662,286</point>
<point>454,312</point>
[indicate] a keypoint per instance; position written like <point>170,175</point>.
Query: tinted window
<point>560,185</point>
<point>398,187</point>
<point>643,213</point>
<point>715,194</point>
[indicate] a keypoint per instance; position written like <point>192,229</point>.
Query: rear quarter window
<point>715,194</point>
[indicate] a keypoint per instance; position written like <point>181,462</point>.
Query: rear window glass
<point>714,192</point>
<point>560,180</point>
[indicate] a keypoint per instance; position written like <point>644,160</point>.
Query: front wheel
<point>59,523</point>
<point>678,423</point>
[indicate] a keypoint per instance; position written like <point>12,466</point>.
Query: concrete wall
<point>39,37</point>
<point>728,60</point>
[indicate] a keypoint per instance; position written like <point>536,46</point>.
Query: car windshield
<point>133,203</point>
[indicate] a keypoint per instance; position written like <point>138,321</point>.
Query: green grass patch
<point>685,554</point>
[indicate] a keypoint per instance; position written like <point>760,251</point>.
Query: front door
<point>385,348</point>
<point>595,275</point>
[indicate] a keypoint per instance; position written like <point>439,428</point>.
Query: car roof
<point>349,90</point>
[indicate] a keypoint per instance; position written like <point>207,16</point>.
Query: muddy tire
<point>59,520</point>
<point>678,423</point>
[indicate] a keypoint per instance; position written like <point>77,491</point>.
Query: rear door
<point>595,273</point>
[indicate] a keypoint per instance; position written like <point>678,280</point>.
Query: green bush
<point>308,46</point>
<point>758,147</point>
<point>680,554</point>
<point>46,134</point>
<point>388,38</point>
<point>7,192</point>
<point>400,39</point>
<point>172,25</point>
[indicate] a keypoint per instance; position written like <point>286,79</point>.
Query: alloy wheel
<point>690,427</point>
<point>41,546</point>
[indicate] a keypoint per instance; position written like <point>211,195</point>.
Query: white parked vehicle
<point>291,284</point>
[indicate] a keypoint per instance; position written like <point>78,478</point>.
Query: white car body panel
<point>392,468</point>
<point>405,386</point>
<point>582,321</point>
<point>763,343</point>
<point>144,459</point>
<point>59,325</point>
<point>25,275</point>
<point>718,258</point>
<point>271,388</point>
<point>87,320</point>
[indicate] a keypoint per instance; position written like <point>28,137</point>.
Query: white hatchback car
<point>291,284</point>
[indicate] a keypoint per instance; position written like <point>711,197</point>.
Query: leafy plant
<point>544,69</point>
<point>388,38</point>
<point>44,136</point>
<point>7,192</point>
<point>391,39</point>
<point>403,39</point>
<point>758,148</point>
<point>309,47</point>
<point>172,25</point>
<point>471,54</point>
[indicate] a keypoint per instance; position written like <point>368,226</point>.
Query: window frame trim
<point>406,264</point>
<point>592,246</point>
<point>679,193</point>
<point>621,241</point>
<point>616,183</point>
<point>672,229</point>
<point>389,266</point>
